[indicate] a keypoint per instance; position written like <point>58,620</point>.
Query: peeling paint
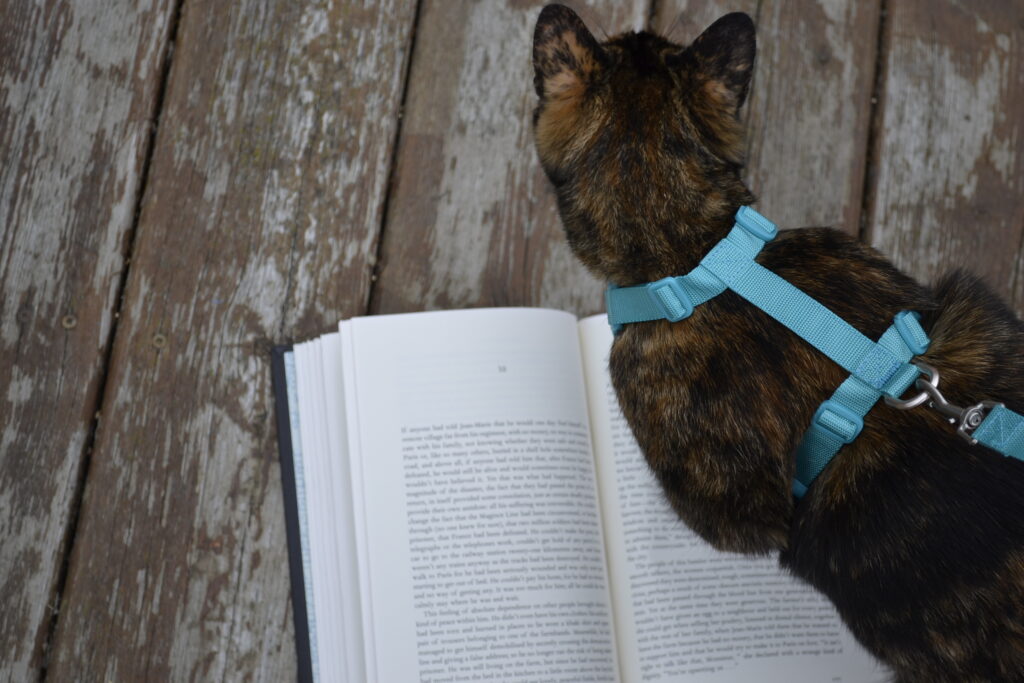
<point>77,87</point>
<point>950,176</point>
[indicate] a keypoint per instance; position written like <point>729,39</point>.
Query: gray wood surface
<point>78,88</point>
<point>284,163</point>
<point>258,225</point>
<point>472,221</point>
<point>950,156</point>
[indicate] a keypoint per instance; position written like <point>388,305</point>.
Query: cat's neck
<point>687,236</point>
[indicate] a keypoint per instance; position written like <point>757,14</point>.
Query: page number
<point>502,368</point>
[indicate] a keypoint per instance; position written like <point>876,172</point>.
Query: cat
<point>916,536</point>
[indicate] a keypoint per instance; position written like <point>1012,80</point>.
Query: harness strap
<point>674,298</point>
<point>876,368</point>
<point>839,420</point>
<point>1003,431</point>
<point>821,328</point>
<point>730,264</point>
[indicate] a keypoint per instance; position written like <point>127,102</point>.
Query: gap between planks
<point>876,112</point>
<point>373,292</point>
<point>652,13</point>
<point>83,474</point>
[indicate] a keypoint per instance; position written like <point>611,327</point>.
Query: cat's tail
<point>977,343</point>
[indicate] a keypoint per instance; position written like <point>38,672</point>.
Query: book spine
<point>293,527</point>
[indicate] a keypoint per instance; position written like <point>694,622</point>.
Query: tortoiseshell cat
<point>916,536</point>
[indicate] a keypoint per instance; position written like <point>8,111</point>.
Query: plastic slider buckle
<point>836,428</point>
<point>616,326</point>
<point>911,332</point>
<point>670,297</point>
<point>756,224</point>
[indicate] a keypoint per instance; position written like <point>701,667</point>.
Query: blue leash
<point>877,369</point>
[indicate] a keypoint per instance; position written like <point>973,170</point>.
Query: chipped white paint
<point>77,86</point>
<point>475,177</point>
<point>38,207</point>
<point>212,552</point>
<point>19,389</point>
<point>962,102</point>
<point>950,171</point>
<point>270,162</point>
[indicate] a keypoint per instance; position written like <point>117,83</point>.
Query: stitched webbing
<point>839,419</point>
<point>821,328</point>
<point>875,368</point>
<point>1002,430</point>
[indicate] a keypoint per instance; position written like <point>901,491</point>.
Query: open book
<point>466,503</point>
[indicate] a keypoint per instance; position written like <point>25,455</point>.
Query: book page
<point>475,489</point>
<point>684,611</point>
<point>342,521</point>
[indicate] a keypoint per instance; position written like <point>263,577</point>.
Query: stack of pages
<point>466,503</point>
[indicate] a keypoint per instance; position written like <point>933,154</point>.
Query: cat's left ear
<point>566,57</point>
<point>722,59</point>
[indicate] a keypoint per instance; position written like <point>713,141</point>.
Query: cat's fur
<point>917,537</point>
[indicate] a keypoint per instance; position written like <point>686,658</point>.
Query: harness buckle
<point>756,224</point>
<point>966,420</point>
<point>837,420</point>
<point>907,324</point>
<point>670,297</point>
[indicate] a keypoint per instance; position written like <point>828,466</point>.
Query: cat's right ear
<point>566,57</point>
<point>722,60</point>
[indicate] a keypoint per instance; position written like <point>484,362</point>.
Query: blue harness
<point>877,369</point>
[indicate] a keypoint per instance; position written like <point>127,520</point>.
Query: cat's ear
<point>566,57</point>
<point>722,59</point>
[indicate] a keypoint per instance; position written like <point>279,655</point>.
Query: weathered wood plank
<point>258,225</point>
<point>950,179</point>
<point>472,221</point>
<point>809,110</point>
<point>78,87</point>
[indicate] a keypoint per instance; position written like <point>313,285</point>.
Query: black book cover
<point>291,514</point>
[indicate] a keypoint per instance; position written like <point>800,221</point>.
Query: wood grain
<point>472,221</point>
<point>950,180</point>
<point>809,109</point>
<point>258,226</point>
<point>78,87</point>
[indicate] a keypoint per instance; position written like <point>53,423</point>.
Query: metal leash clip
<point>966,420</point>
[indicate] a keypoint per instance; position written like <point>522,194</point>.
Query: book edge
<point>291,514</point>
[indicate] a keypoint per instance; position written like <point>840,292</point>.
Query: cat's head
<point>642,140</point>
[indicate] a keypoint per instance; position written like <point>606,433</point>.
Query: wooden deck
<point>184,184</point>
